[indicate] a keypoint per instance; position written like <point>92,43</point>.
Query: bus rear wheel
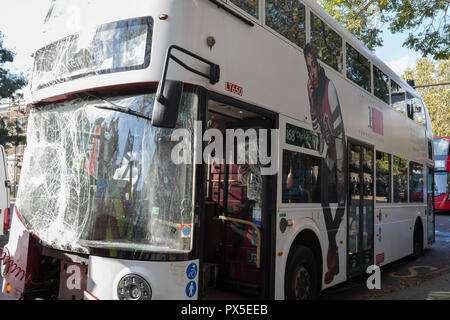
<point>301,280</point>
<point>418,241</point>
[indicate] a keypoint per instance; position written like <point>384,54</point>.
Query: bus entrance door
<point>360,246</point>
<point>236,203</point>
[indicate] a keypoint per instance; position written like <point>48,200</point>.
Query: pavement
<point>434,289</point>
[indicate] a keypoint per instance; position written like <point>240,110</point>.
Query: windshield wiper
<point>117,108</point>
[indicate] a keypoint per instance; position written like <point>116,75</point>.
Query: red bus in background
<point>441,174</point>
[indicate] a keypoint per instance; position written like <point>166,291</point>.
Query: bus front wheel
<point>301,280</point>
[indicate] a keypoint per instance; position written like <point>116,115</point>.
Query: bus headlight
<point>134,287</point>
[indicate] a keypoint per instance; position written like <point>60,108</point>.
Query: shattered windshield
<point>96,178</point>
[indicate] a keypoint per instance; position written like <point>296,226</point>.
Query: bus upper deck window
<point>380,84</point>
<point>358,68</point>
<point>288,18</point>
<point>398,98</point>
<point>326,43</point>
<point>249,6</point>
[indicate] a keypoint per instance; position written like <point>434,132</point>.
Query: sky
<point>20,24</point>
<point>21,21</point>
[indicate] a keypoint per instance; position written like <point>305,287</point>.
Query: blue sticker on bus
<point>186,230</point>
<point>191,289</point>
<point>191,271</point>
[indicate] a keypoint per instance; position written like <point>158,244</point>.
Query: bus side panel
<point>382,242</point>
<point>341,242</point>
<point>306,219</point>
<point>398,227</point>
<point>302,221</point>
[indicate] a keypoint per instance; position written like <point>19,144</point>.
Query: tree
<point>9,83</point>
<point>10,131</point>
<point>437,99</point>
<point>425,20</point>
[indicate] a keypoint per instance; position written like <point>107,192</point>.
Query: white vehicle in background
<point>5,213</point>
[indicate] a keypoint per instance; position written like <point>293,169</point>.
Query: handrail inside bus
<point>258,234</point>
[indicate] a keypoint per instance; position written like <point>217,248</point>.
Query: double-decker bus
<point>105,212</point>
<point>441,174</point>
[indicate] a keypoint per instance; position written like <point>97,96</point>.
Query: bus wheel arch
<point>306,249</point>
<point>417,239</point>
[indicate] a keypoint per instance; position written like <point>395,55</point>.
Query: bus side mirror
<point>167,104</point>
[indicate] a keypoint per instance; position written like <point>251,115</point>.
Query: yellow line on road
<point>412,272</point>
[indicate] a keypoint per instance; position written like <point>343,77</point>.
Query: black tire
<point>301,280</point>
<point>418,241</point>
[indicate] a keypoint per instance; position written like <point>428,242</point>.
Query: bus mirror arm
<point>169,94</point>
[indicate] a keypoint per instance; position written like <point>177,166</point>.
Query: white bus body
<point>269,73</point>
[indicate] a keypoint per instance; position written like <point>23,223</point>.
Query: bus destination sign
<point>302,138</point>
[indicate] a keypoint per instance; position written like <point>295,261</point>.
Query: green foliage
<point>426,21</point>
<point>437,99</point>
<point>10,132</point>
<point>359,17</point>
<point>430,32</point>
<point>9,82</point>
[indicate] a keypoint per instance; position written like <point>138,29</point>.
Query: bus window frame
<point>283,120</point>
<point>239,10</point>
<point>388,82</point>
<point>391,165</point>
<point>281,36</point>
<point>343,41</point>
<point>349,46</point>
<point>407,180</point>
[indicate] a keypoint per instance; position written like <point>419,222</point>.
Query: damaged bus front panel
<point>99,182</point>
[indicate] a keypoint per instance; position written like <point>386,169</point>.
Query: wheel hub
<point>302,283</point>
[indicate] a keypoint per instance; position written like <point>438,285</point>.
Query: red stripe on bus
<point>20,219</point>
<point>100,89</point>
<point>92,295</point>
